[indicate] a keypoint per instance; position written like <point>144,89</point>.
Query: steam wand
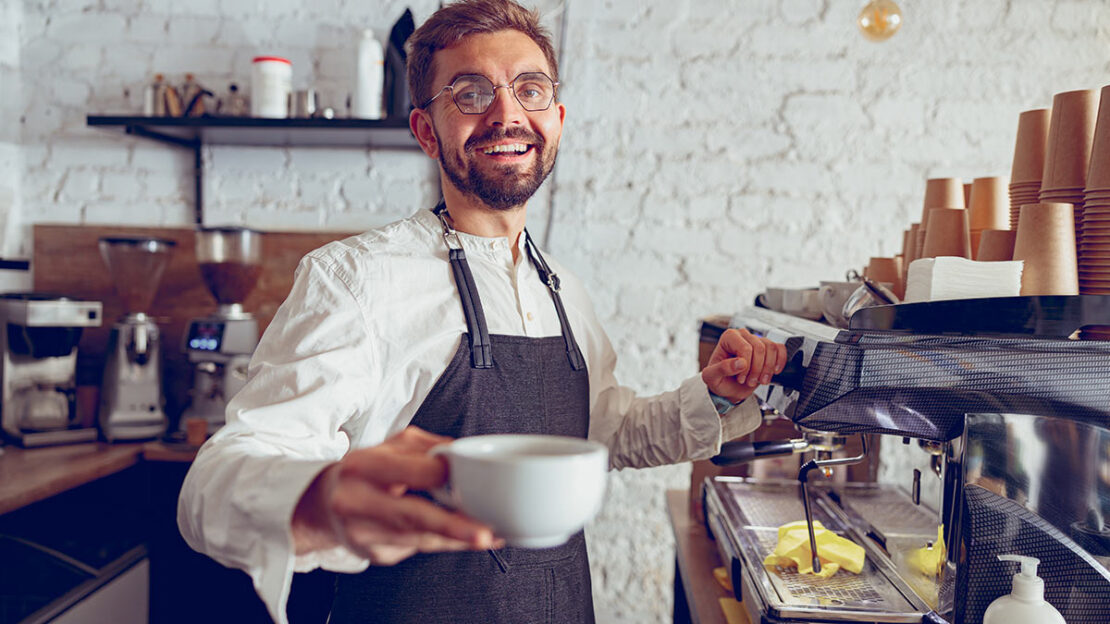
<point>803,477</point>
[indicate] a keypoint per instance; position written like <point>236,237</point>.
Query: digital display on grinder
<point>206,336</point>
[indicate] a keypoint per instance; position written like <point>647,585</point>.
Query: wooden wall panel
<point>66,260</point>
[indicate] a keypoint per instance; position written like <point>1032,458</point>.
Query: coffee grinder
<point>131,393</point>
<point>220,345</point>
<point>38,344</point>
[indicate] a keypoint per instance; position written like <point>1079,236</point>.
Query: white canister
<point>271,86</point>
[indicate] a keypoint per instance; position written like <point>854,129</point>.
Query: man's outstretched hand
<point>362,502</point>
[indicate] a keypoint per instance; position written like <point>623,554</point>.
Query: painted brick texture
<point>712,148</point>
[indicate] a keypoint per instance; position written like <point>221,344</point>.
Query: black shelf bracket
<point>194,144</point>
<point>194,133</point>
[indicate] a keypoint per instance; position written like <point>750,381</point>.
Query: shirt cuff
<point>272,507</point>
<point>744,418</point>
<point>701,424</point>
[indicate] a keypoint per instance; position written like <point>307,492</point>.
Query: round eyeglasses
<point>474,94</point>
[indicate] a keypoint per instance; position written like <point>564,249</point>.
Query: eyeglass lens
<point>473,94</point>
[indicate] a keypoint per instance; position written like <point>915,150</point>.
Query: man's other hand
<point>362,502</point>
<point>740,363</point>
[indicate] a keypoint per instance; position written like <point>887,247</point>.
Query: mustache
<point>501,134</point>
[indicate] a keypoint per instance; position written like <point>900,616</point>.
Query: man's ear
<point>420,122</point>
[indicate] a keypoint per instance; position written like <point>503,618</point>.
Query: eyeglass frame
<point>554,92</point>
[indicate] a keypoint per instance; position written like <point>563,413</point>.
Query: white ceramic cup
<point>535,491</point>
<point>772,298</point>
<point>803,302</point>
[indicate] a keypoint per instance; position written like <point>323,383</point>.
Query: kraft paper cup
<point>1070,135</point>
<point>967,194</point>
<point>1046,243</point>
<point>1029,148</point>
<point>988,208</point>
<point>887,270</point>
<point>1098,172</point>
<point>947,234</point>
<point>996,246</point>
<point>942,193</point>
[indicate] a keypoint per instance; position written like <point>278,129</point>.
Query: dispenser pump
<point>1027,585</point>
<point>1025,604</point>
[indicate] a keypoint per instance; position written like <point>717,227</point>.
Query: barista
<point>449,323</point>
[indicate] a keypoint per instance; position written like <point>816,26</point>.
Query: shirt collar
<point>477,244</point>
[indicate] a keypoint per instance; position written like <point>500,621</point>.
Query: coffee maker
<point>992,431</point>
<point>131,393</point>
<point>38,372</point>
<point>220,345</point>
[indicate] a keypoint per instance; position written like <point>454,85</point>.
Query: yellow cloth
<point>930,559</point>
<point>721,574</point>
<point>734,612</point>
<point>834,552</point>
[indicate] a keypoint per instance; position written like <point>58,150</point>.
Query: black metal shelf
<point>251,131</point>
<point>193,133</point>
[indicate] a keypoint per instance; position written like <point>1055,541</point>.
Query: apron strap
<point>481,352</point>
<point>577,362</point>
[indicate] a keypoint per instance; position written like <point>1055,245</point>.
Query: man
<point>446,324</point>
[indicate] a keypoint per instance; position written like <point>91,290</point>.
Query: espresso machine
<point>220,345</point>
<point>131,392</point>
<point>993,437</point>
<point>38,372</point>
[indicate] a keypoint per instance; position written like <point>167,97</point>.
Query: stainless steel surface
<point>750,512</point>
<point>38,371</point>
<point>1058,469</point>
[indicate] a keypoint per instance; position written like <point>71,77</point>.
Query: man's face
<point>502,155</point>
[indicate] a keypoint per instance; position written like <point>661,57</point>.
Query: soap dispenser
<point>1025,603</point>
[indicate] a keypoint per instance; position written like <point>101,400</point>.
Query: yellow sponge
<point>930,559</point>
<point>835,552</point>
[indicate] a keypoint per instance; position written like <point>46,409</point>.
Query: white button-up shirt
<point>370,325</point>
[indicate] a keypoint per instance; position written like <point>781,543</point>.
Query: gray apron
<point>494,384</point>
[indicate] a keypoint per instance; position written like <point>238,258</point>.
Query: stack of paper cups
<point>1028,167</point>
<point>1094,238</point>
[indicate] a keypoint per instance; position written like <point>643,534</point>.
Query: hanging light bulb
<point>880,19</point>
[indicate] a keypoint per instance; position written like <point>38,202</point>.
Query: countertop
<point>696,556</point>
<point>31,475</point>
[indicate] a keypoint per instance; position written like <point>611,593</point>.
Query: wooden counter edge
<point>31,475</point>
<point>697,556</point>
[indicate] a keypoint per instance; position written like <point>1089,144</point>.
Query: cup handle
<point>443,495</point>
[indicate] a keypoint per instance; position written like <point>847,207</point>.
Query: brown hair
<point>452,23</point>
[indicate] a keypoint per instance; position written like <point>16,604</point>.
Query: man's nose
<point>505,109</point>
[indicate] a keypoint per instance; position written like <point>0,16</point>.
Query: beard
<point>505,187</point>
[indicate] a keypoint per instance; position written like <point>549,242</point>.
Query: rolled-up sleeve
<point>641,431</point>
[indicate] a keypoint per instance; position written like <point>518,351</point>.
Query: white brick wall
<point>712,148</point>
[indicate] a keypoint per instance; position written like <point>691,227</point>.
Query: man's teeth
<point>515,148</point>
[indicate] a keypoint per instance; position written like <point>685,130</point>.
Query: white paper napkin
<point>949,277</point>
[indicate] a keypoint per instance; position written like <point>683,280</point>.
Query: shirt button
<point>531,317</point>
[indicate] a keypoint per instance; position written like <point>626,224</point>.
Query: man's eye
<point>531,92</point>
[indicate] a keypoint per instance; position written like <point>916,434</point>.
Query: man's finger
<point>725,369</point>
<point>770,362</point>
<point>358,500</point>
<point>386,467</point>
<point>416,440</point>
<point>755,366</point>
